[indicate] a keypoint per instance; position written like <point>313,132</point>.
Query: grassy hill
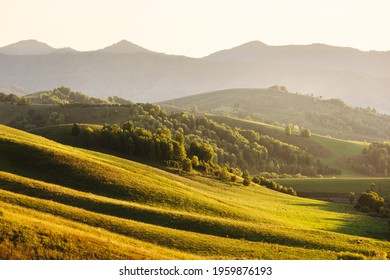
<point>276,105</point>
<point>97,115</point>
<point>333,152</point>
<point>62,202</point>
<point>336,188</point>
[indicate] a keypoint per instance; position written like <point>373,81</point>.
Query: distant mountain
<point>124,47</point>
<point>360,78</point>
<point>316,55</point>
<point>27,47</point>
<point>65,50</point>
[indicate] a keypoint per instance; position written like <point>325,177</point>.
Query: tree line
<point>375,160</point>
<point>162,145</point>
<point>14,99</point>
<point>235,147</point>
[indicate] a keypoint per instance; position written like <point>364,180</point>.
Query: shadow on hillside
<point>352,222</point>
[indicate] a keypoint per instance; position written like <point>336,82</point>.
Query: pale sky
<point>196,28</point>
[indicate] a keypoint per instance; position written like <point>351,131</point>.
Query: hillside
<point>332,151</point>
<point>275,105</point>
<point>92,205</point>
<point>132,72</point>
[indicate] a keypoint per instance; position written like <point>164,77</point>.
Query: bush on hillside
<point>187,165</point>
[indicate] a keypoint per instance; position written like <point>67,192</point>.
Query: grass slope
<point>85,204</point>
<point>333,152</point>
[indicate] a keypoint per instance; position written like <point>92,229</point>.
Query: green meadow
<point>62,202</point>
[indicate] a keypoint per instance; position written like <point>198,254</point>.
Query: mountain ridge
<point>124,46</point>
<point>360,78</point>
<point>27,47</point>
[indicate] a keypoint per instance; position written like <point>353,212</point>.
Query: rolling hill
<point>132,72</point>
<point>61,202</point>
<point>276,105</point>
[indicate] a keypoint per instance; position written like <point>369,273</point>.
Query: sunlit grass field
<point>61,202</point>
<point>338,186</point>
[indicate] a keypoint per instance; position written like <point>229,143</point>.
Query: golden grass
<point>160,214</point>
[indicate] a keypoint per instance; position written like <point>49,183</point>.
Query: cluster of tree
<point>270,184</point>
<point>210,141</point>
<point>14,99</point>
<point>375,160</point>
<point>64,96</point>
<point>354,122</point>
<point>221,144</point>
<point>160,145</point>
<point>291,129</point>
<point>33,119</point>
<point>250,150</point>
<point>372,201</point>
<point>118,100</point>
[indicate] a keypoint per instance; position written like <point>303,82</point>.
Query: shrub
<point>195,161</point>
<point>247,178</point>
<point>305,132</point>
<point>256,180</point>
<point>224,174</point>
<point>246,182</point>
<point>187,165</point>
<point>372,200</point>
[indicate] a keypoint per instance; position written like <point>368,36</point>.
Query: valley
<point>84,195</point>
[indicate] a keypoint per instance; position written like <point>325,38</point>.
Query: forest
<point>154,134</point>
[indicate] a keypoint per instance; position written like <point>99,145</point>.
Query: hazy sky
<point>196,27</point>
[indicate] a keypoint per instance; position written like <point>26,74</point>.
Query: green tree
<point>195,161</point>
<point>371,200</point>
<point>55,119</point>
<point>246,177</point>
<point>224,174</point>
<point>129,126</point>
<point>305,132</point>
<point>76,129</point>
<point>179,152</point>
<point>187,165</point>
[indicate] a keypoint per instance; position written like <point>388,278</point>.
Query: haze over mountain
<point>132,72</point>
<point>317,55</point>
